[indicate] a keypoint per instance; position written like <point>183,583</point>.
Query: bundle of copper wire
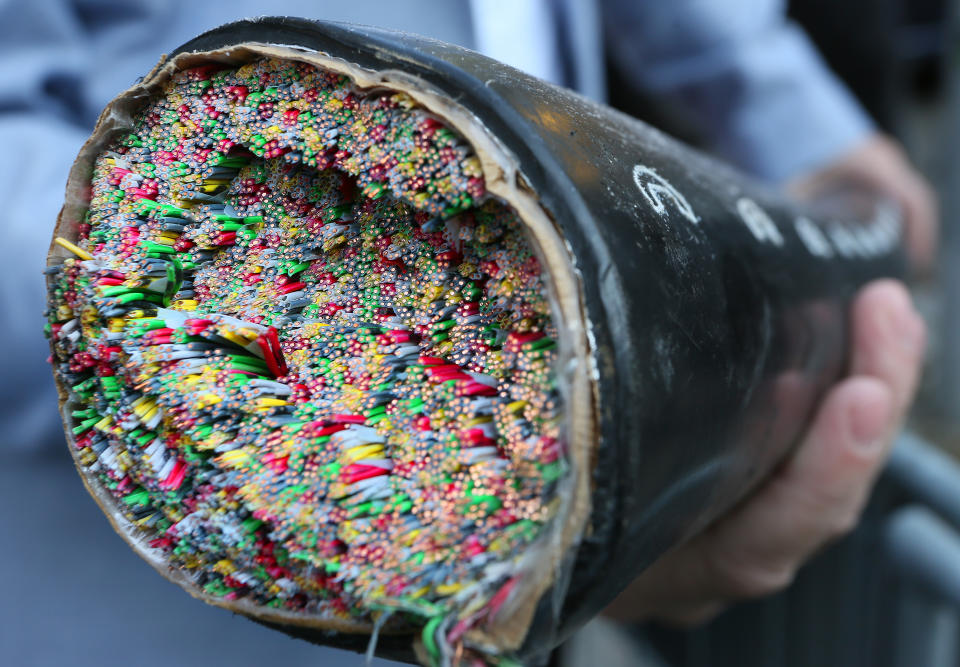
<point>307,357</point>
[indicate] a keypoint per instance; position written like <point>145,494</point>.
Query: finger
<point>922,221</point>
<point>815,496</point>
<point>893,174</point>
<point>887,339</point>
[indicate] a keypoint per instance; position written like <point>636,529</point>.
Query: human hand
<point>815,496</point>
<point>880,165</point>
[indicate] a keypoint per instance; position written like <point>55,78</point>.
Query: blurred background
<point>889,594</point>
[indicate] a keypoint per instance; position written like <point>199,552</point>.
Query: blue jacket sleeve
<point>751,80</point>
<point>44,119</point>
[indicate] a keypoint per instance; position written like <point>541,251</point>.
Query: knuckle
<point>824,515</point>
<point>694,616</point>
<point>842,522</point>
<point>760,582</point>
<point>752,578</point>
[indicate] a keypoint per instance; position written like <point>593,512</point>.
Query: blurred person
<point>749,80</point>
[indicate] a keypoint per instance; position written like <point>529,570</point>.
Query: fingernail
<point>868,418</point>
